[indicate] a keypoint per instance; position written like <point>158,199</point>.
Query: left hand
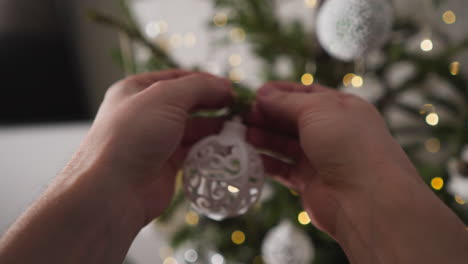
<point>137,142</point>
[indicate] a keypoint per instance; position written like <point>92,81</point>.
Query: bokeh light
<point>220,19</point>
<point>449,17</point>
<point>454,68</point>
<point>357,81</point>
<point>427,45</point>
<point>238,237</point>
<point>192,218</point>
<point>307,79</point>
<point>459,200</point>
<point>432,145</point>
<point>437,183</point>
<point>237,34</point>
<point>432,119</point>
<point>170,260</point>
<point>310,3</point>
<point>348,78</point>
<point>235,60</point>
<point>303,218</point>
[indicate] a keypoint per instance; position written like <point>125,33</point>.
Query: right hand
<point>340,143</point>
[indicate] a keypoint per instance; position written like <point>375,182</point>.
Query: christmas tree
<point>409,66</point>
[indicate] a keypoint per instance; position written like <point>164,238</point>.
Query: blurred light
<point>236,75</point>
<point>357,81</point>
<point>432,119</point>
<point>437,183</point>
<point>212,68</point>
<point>310,3</point>
<point>237,34</point>
<point>233,189</point>
<point>163,43</point>
<point>459,200</point>
<point>175,40</point>
<point>258,260</point>
<point>432,145</point>
<point>217,259</point>
<point>192,218</point>
<point>165,252</point>
<point>191,255</point>
<point>307,79</point>
<point>348,78</point>
<point>426,109</point>
<point>303,218</point>
<point>170,260</point>
<point>449,17</point>
<point>152,29</point>
<point>162,26</point>
<point>238,237</point>
<point>454,68</point>
<point>293,192</point>
<point>190,39</point>
<point>235,60</point>
<point>427,45</point>
<point>220,19</point>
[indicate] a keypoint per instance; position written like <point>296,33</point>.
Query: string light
<point>307,79</point>
<point>238,237</point>
<point>459,200</point>
<point>348,78</point>
<point>236,75</point>
<point>217,259</point>
<point>190,39</point>
<point>220,19</point>
<point>192,218</point>
<point>191,255</point>
<point>449,17</point>
<point>233,189</point>
<point>432,145</point>
<point>235,60</point>
<point>427,45</point>
<point>310,3</point>
<point>152,29</point>
<point>432,119</point>
<point>170,260</point>
<point>454,68</point>
<point>357,81</point>
<point>437,183</point>
<point>237,35</point>
<point>303,218</point>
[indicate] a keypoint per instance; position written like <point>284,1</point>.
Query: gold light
<point>348,78</point>
<point>238,237</point>
<point>310,3</point>
<point>303,218</point>
<point>235,60</point>
<point>220,19</point>
<point>449,17</point>
<point>307,79</point>
<point>459,200</point>
<point>432,119</point>
<point>454,68</point>
<point>427,45</point>
<point>192,218</point>
<point>432,145</point>
<point>237,35</point>
<point>357,81</point>
<point>437,183</point>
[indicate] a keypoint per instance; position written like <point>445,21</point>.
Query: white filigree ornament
<point>286,243</point>
<point>223,175</point>
<point>458,171</point>
<point>348,29</point>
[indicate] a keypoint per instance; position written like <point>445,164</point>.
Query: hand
<point>137,141</point>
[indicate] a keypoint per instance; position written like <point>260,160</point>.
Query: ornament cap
<point>234,128</point>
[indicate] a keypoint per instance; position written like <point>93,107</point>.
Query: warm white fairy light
<point>357,81</point>
<point>233,189</point>
<point>310,3</point>
<point>235,60</point>
<point>220,19</point>
<point>449,17</point>
<point>236,75</point>
<point>237,34</point>
<point>170,260</point>
<point>307,79</point>
<point>303,218</point>
<point>427,45</point>
<point>454,68</point>
<point>432,119</point>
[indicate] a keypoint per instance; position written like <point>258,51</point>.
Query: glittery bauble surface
<point>287,244</point>
<point>223,175</point>
<point>347,29</point>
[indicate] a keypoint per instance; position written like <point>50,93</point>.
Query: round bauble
<point>348,29</point>
<point>286,243</point>
<point>223,175</point>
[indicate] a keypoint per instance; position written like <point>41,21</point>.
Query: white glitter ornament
<point>287,244</point>
<point>458,171</point>
<point>348,29</point>
<point>223,175</point>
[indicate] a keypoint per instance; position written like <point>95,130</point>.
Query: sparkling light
<point>454,68</point>
<point>432,145</point>
<point>217,259</point>
<point>220,19</point>
<point>190,39</point>
<point>307,79</point>
<point>449,17</point>
<point>191,255</point>
<point>348,78</point>
<point>437,183</point>
<point>237,35</point>
<point>459,200</point>
<point>357,81</point>
<point>238,237</point>
<point>233,189</point>
<point>236,75</point>
<point>235,60</point>
<point>432,119</point>
<point>192,218</point>
<point>303,218</point>
<point>310,3</point>
<point>427,45</point>
<point>170,260</point>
